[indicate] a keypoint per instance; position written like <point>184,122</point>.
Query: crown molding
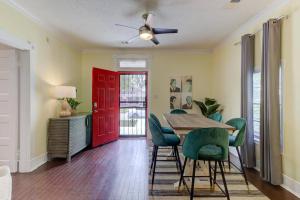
<point>22,10</point>
<point>146,50</point>
<point>47,27</point>
<point>252,22</point>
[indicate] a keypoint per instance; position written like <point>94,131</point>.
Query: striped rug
<point>165,187</point>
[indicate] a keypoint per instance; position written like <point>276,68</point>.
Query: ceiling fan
<point>147,32</point>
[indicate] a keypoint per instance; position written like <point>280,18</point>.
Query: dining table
<point>182,124</point>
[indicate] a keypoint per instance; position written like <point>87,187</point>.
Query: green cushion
<point>178,111</point>
<point>232,140</point>
<point>171,140</point>
<point>240,125</point>
<point>210,152</point>
<point>216,117</point>
<point>210,139</point>
<point>167,130</point>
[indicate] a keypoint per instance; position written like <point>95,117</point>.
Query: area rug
<point>167,176</point>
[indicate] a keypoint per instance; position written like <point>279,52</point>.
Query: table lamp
<point>64,92</point>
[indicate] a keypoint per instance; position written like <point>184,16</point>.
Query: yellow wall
<point>56,63</point>
<point>214,75</point>
<point>163,64</point>
<point>226,76</point>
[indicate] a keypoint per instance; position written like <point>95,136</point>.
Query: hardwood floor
<point>271,191</point>
<point>117,171</point>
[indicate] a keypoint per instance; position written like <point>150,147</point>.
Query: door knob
<point>95,105</point>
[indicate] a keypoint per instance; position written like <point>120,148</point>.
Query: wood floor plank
<point>116,171</point>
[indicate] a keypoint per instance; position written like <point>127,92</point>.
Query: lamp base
<point>65,114</point>
<point>65,109</point>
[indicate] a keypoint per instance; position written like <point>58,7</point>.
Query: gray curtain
<point>248,149</point>
<point>270,161</point>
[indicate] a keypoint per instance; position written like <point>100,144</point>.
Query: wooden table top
<point>182,123</point>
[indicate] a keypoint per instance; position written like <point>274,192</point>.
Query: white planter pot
<point>5,183</point>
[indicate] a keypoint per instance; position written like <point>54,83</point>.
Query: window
<point>132,63</point>
<point>256,105</point>
<point>281,81</point>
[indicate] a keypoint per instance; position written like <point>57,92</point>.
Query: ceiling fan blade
<point>131,39</point>
<point>127,26</point>
<point>148,19</point>
<point>164,30</point>
<point>155,41</point>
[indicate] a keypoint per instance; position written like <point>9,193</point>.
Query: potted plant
<point>73,104</point>
<point>209,106</point>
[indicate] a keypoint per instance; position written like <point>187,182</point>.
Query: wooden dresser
<point>69,135</point>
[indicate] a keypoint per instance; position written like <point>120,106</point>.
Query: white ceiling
<point>90,23</point>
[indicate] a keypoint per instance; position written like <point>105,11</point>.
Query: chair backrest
<point>240,125</point>
<point>216,117</point>
<point>178,111</point>
<point>155,119</point>
<point>157,135</point>
<point>198,138</point>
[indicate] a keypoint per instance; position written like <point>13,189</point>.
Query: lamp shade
<point>65,92</point>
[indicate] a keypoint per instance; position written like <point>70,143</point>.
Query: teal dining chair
<point>162,140</point>
<point>237,141</point>
<point>165,130</point>
<point>207,144</point>
<point>178,111</point>
<point>216,117</point>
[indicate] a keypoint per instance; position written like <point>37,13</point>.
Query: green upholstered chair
<point>238,140</point>
<point>216,117</point>
<point>178,111</point>
<point>162,140</point>
<point>208,144</point>
<point>165,130</point>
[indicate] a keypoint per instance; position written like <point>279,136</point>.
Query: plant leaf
<point>213,109</point>
<point>209,101</point>
<point>202,107</point>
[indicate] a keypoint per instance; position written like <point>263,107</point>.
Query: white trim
<point>9,40</point>
<point>118,57</point>
<point>44,25</point>
<point>22,10</point>
<point>146,50</point>
<point>252,22</point>
<point>25,60</point>
<point>24,112</point>
<point>38,161</point>
<point>291,185</point>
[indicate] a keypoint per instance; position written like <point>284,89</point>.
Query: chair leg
<point>215,173</point>
<point>209,169</point>
<point>242,166</point>
<point>193,180</point>
<point>155,157</point>
<point>178,158</point>
<point>153,153</point>
<point>175,151</point>
<point>182,173</point>
<point>229,162</point>
<point>224,180</point>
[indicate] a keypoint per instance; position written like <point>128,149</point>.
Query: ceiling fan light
<point>146,36</point>
<point>145,33</point>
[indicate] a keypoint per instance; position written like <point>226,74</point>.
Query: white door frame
<point>27,56</point>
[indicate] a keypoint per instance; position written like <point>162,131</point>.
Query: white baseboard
<point>291,185</point>
<point>38,161</point>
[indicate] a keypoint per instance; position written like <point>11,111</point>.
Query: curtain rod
<point>282,17</point>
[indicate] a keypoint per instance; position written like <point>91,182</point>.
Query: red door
<point>105,103</point>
